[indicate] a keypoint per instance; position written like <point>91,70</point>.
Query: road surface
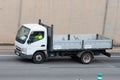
<point>13,67</point>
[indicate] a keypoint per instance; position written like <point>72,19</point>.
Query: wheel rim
<point>87,58</point>
<point>38,57</point>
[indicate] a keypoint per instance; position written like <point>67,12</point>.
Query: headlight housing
<point>24,50</point>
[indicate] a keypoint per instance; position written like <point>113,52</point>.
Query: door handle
<point>42,45</point>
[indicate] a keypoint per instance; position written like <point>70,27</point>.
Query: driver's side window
<point>36,36</point>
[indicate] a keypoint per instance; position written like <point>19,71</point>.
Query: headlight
<point>23,50</point>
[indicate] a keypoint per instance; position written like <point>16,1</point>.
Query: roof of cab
<point>35,27</point>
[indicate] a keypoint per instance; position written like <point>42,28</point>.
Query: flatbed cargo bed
<point>81,41</point>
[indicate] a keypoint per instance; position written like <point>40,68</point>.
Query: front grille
<point>18,48</point>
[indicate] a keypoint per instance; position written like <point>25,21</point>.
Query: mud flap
<point>106,54</point>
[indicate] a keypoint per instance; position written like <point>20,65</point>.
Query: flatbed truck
<point>82,47</point>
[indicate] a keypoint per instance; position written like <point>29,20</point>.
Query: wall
<point>112,25</point>
<point>9,11</point>
<point>68,16</point>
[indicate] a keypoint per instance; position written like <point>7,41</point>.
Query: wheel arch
<point>44,52</point>
<point>82,52</point>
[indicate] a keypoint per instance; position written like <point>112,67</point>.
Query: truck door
<point>37,41</point>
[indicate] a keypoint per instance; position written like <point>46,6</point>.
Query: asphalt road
<point>13,67</point>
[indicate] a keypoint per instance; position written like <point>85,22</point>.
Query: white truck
<point>82,47</point>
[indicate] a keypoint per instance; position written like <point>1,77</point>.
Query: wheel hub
<point>38,58</point>
<point>86,58</point>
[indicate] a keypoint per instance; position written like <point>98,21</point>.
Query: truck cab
<point>26,44</point>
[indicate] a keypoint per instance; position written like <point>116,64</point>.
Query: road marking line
<point>7,55</point>
<point>95,56</point>
<point>111,56</point>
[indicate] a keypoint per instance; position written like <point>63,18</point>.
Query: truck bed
<point>81,41</point>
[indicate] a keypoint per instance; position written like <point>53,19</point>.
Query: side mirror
<point>29,41</point>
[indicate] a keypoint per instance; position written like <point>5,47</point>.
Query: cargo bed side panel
<point>67,45</point>
<point>97,44</point>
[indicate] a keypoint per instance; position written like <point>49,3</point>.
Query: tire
<point>38,57</point>
<point>86,57</point>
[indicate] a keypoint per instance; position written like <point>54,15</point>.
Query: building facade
<point>67,16</point>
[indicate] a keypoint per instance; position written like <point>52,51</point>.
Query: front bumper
<point>22,55</point>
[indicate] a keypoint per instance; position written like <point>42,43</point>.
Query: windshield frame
<point>22,34</point>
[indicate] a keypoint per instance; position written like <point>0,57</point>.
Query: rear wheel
<point>38,57</point>
<point>86,57</point>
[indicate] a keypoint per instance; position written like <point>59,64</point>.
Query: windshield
<point>22,34</point>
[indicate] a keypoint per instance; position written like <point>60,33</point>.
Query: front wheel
<point>86,57</point>
<point>38,57</point>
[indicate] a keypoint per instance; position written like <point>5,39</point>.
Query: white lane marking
<point>106,56</point>
<point>95,56</point>
<point>7,55</point>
